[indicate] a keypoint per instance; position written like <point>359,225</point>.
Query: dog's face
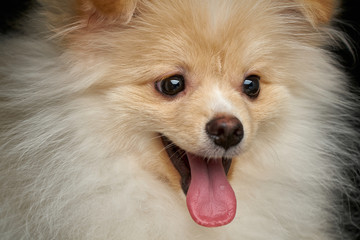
<point>201,80</point>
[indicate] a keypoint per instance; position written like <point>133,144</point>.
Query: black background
<point>351,18</point>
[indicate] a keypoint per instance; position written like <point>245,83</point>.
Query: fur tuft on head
<point>121,10</point>
<point>319,11</point>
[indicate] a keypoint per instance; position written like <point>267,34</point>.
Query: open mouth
<point>209,196</point>
<point>180,160</point>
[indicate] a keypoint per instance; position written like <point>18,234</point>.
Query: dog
<point>181,119</point>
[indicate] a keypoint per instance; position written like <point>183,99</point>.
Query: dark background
<point>11,11</point>
<point>351,18</point>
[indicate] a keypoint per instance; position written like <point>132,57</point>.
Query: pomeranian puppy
<point>181,119</point>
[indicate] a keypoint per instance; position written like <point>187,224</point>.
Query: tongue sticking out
<point>210,199</point>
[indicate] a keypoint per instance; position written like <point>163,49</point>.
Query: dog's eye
<point>251,86</point>
<point>171,86</point>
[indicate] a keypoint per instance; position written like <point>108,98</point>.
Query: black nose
<point>225,131</point>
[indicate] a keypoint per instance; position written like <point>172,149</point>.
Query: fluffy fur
<point>80,118</point>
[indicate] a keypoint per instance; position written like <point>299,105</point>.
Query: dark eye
<point>251,86</point>
<point>171,86</point>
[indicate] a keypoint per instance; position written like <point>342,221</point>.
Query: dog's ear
<point>319,11</point>
<point>108,10</point>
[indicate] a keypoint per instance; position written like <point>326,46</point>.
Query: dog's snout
<point>225,131</point>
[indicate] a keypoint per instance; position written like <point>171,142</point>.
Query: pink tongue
<point>210,199</point>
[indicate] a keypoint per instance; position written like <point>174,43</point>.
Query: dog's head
<point>200,79</point>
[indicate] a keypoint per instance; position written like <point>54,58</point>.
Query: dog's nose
<point>225,131</point>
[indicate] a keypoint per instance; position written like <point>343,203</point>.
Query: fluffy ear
<point>119,10</point>
<point>319,11</point>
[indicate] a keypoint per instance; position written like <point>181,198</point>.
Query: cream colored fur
<point>80,156</point>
